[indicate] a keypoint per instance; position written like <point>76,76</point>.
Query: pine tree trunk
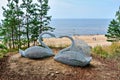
<point>34,42</point>
<point>28,40</point>
<point>13,44</point>
<point>19,40</point>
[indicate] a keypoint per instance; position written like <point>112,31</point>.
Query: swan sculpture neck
<point>71,46</point>
<point>40,39</point>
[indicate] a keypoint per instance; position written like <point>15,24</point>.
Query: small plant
<point>115,48</point>
<point>112,51</point>
<point>100,51</point>
<point>3,50</point>
<point>2,46</point>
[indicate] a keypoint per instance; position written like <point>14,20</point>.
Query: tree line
<point>23,21</point>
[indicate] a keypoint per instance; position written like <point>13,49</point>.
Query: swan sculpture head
<point>68,48</point>
<point>38,51</point>
<point>40,38</point>
<point>72,56</point>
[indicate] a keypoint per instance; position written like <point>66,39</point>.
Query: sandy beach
<point>92,40</point>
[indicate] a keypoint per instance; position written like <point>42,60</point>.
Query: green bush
<point>100,51</point>
<point>3,50</point>
<point>2,46</point>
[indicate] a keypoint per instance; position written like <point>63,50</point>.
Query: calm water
<point>80,26</point>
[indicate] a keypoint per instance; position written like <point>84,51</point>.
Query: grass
<point>111,51</point>
<point>100,51</point>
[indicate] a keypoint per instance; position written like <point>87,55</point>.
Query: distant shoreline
<point>81,18</point>
<point>86,34</point>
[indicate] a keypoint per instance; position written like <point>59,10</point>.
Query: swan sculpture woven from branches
<point>78,54</point>
<point>38,51</point>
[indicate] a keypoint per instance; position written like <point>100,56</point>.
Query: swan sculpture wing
<point>72,56</point>
<point>38,51</point>
<point>81,45</point>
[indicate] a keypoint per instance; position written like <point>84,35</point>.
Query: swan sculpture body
<point>38,51</point>
<point>73,55</point>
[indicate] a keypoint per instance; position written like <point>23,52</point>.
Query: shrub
<point>2,46</point>
<point>3,50</point>
<point>112,51</point>
<point>115,48</point>
<point>100,51</point>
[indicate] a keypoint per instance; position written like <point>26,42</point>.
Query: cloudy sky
<point>79,8</point>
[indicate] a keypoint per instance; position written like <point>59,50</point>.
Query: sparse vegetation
<point>100,51</point>
<point>108,51</point>
<point>3,50</point>
<point>2,46</point>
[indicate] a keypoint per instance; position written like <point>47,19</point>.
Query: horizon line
<point>82,18</point>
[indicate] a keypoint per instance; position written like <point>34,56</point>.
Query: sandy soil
<point>92,40</point>
<point>16,67</point>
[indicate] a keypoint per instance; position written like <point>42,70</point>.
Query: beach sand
<point>91,40</point>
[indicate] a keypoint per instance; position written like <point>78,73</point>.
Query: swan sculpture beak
<point>53,35</point>
<point>62,36</point>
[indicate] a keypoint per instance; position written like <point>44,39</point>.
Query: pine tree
<point>23,22</point>
<point>26,6</point>
<point>18,14</point>
<point>34,30</point>
<point>10,23</point>
<point>40,19</point>
<point>43,17</point>
<point>113,33</point>
<point>5,33</point>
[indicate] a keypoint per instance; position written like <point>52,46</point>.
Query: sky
<point>79,8</point>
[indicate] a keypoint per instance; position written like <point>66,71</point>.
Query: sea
<point>80,26</point>
<point>73,27</point>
